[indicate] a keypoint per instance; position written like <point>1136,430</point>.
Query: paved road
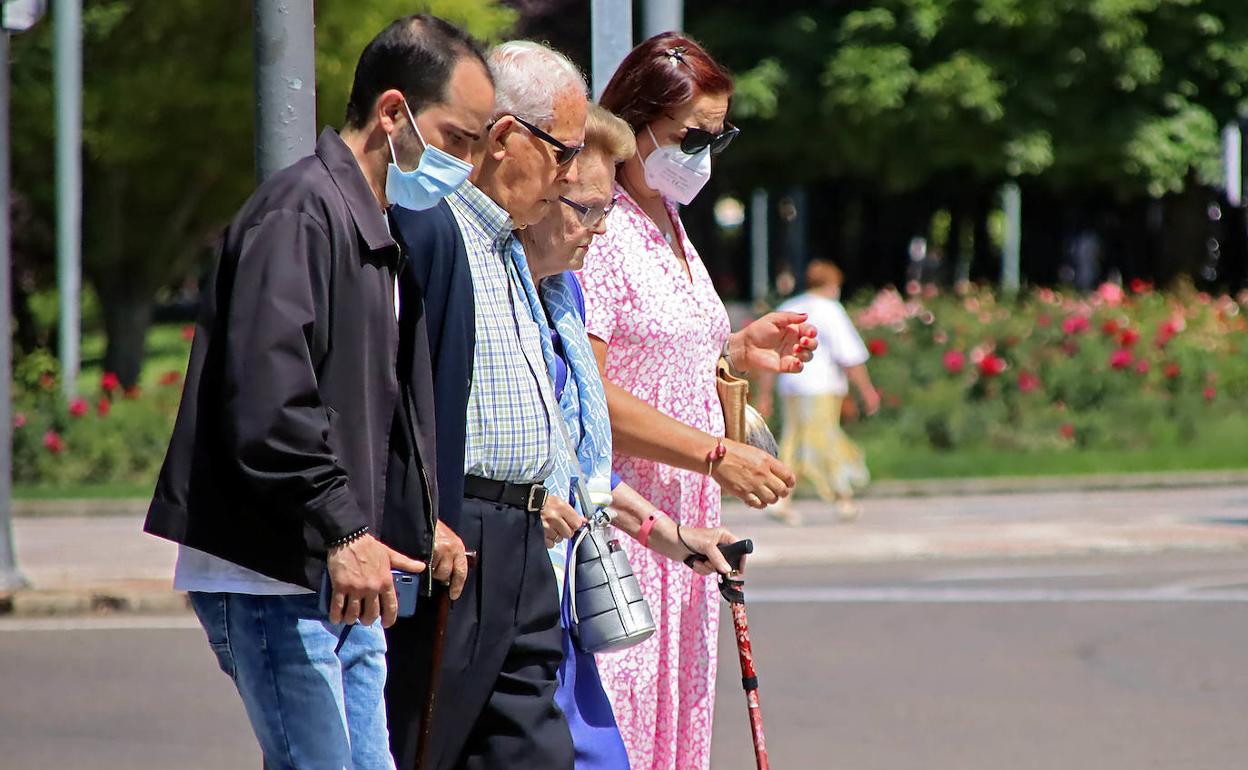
<point>1104,663</point>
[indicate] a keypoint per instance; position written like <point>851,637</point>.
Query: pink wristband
<point>643,534</point>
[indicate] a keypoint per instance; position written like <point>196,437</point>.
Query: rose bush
<point>1118,369</point>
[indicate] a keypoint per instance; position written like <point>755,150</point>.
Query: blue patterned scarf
<point>583,402</point>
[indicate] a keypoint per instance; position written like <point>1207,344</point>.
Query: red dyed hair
<point>660,74</point>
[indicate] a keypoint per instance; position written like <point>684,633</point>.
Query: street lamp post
<point>14,17</point>
<point>284,50</point>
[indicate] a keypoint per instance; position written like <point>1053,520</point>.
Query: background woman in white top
<point>813,444</point>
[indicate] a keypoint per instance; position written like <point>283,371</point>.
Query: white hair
<point>527,78</point>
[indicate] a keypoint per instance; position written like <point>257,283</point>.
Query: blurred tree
<point>1118,98</point>
<point>167,135</point>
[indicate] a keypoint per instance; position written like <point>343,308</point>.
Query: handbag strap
<point>594,520</point>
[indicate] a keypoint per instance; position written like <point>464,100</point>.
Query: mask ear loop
<point>394,156</point>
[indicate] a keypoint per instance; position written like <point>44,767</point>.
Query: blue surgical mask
<point>436,176</point>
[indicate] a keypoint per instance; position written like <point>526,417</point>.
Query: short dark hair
<point>414,55</point>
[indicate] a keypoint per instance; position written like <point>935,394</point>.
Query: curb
<point>33,603</point>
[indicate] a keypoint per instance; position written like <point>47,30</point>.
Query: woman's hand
<point>705,541</point>
<point>753,475</point>
<point>777,342</point>
<point>559,520</point>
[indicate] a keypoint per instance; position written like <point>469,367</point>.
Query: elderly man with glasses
<point>496,704</point>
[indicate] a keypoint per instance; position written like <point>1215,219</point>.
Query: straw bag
<point>742,422</point>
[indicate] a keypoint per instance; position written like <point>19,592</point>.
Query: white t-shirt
<point>840,347</point>
<point>199,571</point>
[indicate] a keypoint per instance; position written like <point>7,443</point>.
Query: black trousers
<point>496,700</point>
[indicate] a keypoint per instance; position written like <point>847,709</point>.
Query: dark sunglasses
<point>563,153</point>
<point>590,215</point>
<point>696,139</point>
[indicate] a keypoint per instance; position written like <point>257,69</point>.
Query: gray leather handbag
<point>608,611</point>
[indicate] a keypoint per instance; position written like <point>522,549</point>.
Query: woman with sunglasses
<point>657,328</point>
<point>553,248</point>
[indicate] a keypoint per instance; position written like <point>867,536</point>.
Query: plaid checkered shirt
<point>509,429</point>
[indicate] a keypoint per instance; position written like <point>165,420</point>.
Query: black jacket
<point>291,395</point>
<point>439,280</point>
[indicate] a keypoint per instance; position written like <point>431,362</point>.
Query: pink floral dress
<point>664,333</point>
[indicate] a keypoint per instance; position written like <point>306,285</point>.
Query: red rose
<point>1121,359</point>
<point>104,407</point>
<point>991,365</point>
<point>47,381</point>
<point>1044,320</point>
<point>1210,394</point>
<point>877,347</point>
<point>1166,332</point>
<point>1140,286</point>
<point>1027,382</point>
<point>1141,366</point>
<point>1171,370</point>
<point>109,382</point>
<point>171,377</point>
<point>1067,431</point>
<point>1110,328</point>
<point>78,407</point>
<point>188,332</point>
<point>19,420</point>
<point>53,442</point>
<point>1075,324</point>
<point>1128,338</point>
<point>954,361</point>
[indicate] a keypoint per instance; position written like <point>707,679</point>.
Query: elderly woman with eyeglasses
<point>658,328</point>
<point>554,248</point>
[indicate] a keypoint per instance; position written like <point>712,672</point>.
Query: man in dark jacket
<point>276,471</point>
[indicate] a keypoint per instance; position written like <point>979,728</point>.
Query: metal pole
<point>1012,201</point>
<point>285,83</point>
<point>663,16</point>
<point>611,35</point>
<point>67,20</point>
<point>10,578</point>
<point>1232,158</point>
<point>759,278</point>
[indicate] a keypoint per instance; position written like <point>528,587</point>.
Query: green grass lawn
<point>1221,446</point>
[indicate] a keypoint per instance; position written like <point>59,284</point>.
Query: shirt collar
<point>487,217</point>
<point>345,170</point>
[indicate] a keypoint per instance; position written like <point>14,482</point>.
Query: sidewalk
<point>104,563</point>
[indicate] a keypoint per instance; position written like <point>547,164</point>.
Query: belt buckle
<point>537,498</point>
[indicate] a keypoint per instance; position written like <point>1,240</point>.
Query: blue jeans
<point>309,707</point>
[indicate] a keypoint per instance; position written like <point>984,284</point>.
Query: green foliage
<point>1125,93</point>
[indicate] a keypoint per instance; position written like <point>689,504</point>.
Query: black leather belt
<point>526,497</point>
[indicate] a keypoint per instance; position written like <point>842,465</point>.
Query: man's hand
<point>777,342</point>
<point>559,520</point>
<point>450,564</point>
<point>363,589</point>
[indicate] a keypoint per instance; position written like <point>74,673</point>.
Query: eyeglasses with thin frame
<point>590,216</point>
<point>697,139</point>
<point>563,153</point>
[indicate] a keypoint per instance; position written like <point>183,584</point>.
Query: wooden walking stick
<point>435,670</point>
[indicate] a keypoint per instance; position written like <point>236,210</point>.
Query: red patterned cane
<point>731,587</point>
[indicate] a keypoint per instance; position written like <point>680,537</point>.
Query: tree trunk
<point>127,317</point>
<point>985,260</point>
